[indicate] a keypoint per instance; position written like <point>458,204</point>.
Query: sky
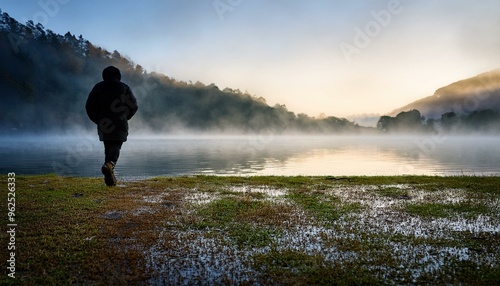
<point>336,57</point>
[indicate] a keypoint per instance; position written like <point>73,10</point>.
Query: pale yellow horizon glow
<point>337,57</point>
<point>422,48</point>
<point>339,90</point>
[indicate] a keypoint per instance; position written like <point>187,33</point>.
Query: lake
<point>149,156</point>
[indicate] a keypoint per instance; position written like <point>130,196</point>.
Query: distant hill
<point>45,79</point>
<point>464,97</point>
<point>366,120</point>
<point>470,106</point>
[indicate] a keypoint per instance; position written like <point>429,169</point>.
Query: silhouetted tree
<point>386,123</point>
<point>450,121</point>
<point>409,122</point>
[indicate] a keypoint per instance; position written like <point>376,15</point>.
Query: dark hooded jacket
<point>110,105</point>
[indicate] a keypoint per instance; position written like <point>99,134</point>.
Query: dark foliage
<point>477,93</point>
<point>483,121</point>
<point>45,79</point>
<point>410,121</point>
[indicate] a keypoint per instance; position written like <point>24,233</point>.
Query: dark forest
<point>45,79</point>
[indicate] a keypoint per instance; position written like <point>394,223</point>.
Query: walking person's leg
<point>112,153</point>
<point>112,150</point>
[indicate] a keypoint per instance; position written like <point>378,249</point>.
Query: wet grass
<point>467,209</point>
<point>406,230</point>
<point>321,205</point>
<point>234,217</point>
<point>296,268</point>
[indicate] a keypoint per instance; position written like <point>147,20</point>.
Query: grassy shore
<point>256,230</point>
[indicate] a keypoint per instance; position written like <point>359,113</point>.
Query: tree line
<point>45,79</point>
<point>479,121</point>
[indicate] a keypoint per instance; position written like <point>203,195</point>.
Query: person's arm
<point>92,106</point>
<point>131,103</point>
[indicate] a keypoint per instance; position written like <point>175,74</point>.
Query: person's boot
<point>109,174</point>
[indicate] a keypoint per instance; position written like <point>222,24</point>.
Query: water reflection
<point>256,155</point>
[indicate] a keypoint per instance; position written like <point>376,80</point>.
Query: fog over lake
<point>150,156</point>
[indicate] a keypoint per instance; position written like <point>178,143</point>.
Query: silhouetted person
<point>110,105</point>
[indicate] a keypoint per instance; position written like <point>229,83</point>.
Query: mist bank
<point>481,92</point>
<point>481,122</point>
<point>173,155</point>
<point>45,79</point>
<point>468,106</point>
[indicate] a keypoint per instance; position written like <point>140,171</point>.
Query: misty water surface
<point>255,155</point>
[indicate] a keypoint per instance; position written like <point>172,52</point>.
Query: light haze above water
<point>144,157</point>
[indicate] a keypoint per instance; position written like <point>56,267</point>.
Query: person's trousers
<point>112,150</point>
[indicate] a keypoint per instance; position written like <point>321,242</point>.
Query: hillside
<point>463,97</point>
<point>45,79</point>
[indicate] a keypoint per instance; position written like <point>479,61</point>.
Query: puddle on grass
<point>269,192</point>
<point>113,215</point>
<point>385,214</point>
<point>188,256</point>
<point>197,197</point>
<point>155,199</point>
<point>445,196</point>
<point>196,258</point>
<point>142,210</point>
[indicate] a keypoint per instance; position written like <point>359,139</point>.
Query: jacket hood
<point>111,73</point>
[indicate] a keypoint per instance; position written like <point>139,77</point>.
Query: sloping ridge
<point>462,97</point>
